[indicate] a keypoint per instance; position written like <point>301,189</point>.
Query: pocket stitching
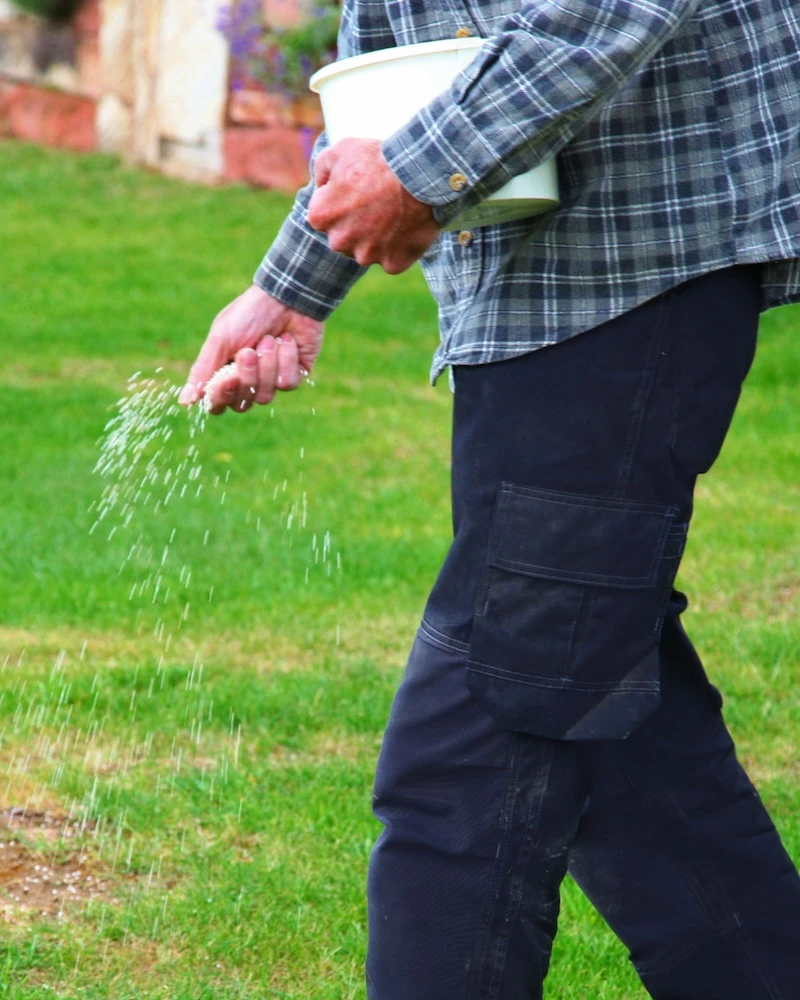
<point>587,499</point>
<point>578,578</point>
<point>562,683</point>
<point>498,537</point>
<point>437,638</point>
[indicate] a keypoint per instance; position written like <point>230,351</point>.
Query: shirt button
<point>465,237</point>
<point>458,182</point>
<point>463,33</point>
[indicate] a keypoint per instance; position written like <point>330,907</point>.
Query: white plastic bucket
<point>373,95</point>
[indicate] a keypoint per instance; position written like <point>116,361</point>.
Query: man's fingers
<point>251,321</point>
<point>267,353</point>
<point>323,167</point>
<point>321,214</point>
<point>341,241</point>
<point>274,364</point>
<point>223,394</point>
<point>289,376</point>
<point>397,263</point>
<point>247,369</point>
<point>213,355</point>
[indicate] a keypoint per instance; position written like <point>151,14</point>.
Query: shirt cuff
<point>301,271</point>
<point>444,161</point>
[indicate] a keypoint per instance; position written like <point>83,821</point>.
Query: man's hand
<point>366,211</point>
<point>273,347</point>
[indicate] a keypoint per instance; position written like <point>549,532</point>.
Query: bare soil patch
<point>41,873</point>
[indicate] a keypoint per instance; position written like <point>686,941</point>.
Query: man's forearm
<point>300,269</point>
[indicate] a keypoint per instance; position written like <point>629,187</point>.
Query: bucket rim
<point>342,66</point>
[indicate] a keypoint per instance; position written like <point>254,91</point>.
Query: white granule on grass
<point>219,376</point>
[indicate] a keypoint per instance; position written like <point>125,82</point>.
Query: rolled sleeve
<point>530,89</point>
<point>300,269</point>
<point>443,161</point>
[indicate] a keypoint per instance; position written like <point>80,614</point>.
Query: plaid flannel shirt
<point>677,129</point>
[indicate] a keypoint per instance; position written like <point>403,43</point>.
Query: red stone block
<point>307,111</point>
<point>8,93</point>
<point>257,107</point>
<point>53,119</point>
<point>275,157</point>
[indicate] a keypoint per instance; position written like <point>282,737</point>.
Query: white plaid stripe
<point>677,127</point>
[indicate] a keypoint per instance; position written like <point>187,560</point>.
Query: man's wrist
<point>301,271</point>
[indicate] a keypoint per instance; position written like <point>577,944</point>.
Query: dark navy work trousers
<point>554,715</point>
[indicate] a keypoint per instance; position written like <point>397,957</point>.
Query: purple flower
<point>279,57</point>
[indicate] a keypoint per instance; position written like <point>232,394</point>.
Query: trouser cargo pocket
<point>568,619</point>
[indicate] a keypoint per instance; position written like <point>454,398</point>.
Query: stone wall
<point>149,80</point>
<point>49,78</point>
<point>164,68</point>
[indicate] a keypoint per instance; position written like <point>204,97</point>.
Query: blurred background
<point>199,89</point>
<point>193,685</point>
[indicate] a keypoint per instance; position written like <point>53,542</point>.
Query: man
<point>554,713</point>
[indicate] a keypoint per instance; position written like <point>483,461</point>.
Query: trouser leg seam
<point>500,917</point>
<point>639,411</point>
<point>484,945</point>
<point>516,882</point>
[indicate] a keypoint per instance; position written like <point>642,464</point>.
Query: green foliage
<point>306,48</point>
<point>280,58</point>
<point>52,10</point>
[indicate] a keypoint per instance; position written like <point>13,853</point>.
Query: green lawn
<point>212,765</point>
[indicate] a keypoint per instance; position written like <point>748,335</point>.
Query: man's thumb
<point>322,168</point>
<point>208,361</point>
<point>189,394</point>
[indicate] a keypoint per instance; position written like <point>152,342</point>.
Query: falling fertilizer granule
<point>134,452</point>
<point>81,746</point>
<point>150,458</point>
